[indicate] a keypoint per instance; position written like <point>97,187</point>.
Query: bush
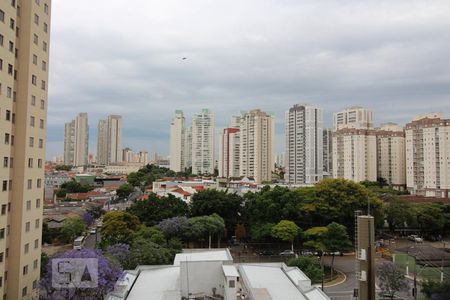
<point>308,265</point>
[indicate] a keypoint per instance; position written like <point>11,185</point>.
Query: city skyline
<point>362,55</point>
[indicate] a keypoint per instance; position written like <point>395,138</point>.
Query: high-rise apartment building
<point>428,155</point>
<point>109,140</point>
<point>304,150</point>
<point>391,160</point>
<point>203,142</point>
<point>353,117</point>
<point>187,148</point>
<point>354,145</point>
<point>327,153</point>
<point>102,141</point>
<point>257,131</point>
<point>130,157</point>
<point>24,62</point>
<point>177,141</point>
<point>229,153</point>
<point>76,141</point>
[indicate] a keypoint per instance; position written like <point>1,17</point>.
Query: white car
<point>93,231</point>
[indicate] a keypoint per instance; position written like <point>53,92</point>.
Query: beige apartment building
<point>177,141</point>
<point>203,142</point>
<point>354,145</point>
<point>76,141</point>
<point>257,131</point>
<point>109,140</point>
<point>391,155</point>
<point>24,60</point>
<point>229,147</point>
<point>428,155</point>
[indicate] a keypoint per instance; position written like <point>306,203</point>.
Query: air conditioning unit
<point>361,276</point>
<point>362,255</point>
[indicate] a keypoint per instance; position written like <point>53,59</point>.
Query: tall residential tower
<point>76,141</point>
<point>109,140</point>
<point>203,142</point>
<point>24,62</point>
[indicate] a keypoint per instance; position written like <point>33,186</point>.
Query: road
<point>90,240</point>
<point>345,264</point>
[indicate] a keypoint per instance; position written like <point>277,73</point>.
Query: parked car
<point>415,238</point>
<point>335,253</point>
<point>287,253</point>
<point>266,253</point>
<point>309,253</point>
<point>93,231</point>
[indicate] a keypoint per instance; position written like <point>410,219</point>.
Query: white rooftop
<point>209,255</point>
<point>162,283</point>
<point>230,271</point>
<point>270,281</point>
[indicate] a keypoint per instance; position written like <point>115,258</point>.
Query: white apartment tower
<point>229,153</point>
<point>203,142</point>
<point>391,160</point>
<point>109,140</point>
<point>102,141</point>
<point>76,141</point>
<point>304,149</point>
<point>257,130</point>
<point>428,156</point>
<point>353,117</point>
<point>354,145</point>
<point>327,153</point>
<point>177,141</point>
<point>24,62</point>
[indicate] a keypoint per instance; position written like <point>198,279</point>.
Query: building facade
<point>428,156</point>
<point>24,61</point>
<point>327,153</point>
<point>391,155</point>
<point>229,153</point>
<point>76,141</point>
<point>257,130</point>
<point>109,140</point>
<point>304,145</point>
<point>353,117</point>
<point>102,141</point>
<point>177,141</point>
<point>203,142</point>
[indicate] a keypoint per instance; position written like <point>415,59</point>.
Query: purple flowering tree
<point>108,274</point>
<point>173,227</point>
<point>391,279</point>
<point>88,219</point>
<point>120,252</point>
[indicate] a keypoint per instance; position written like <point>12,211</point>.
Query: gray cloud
<point>125,57</point>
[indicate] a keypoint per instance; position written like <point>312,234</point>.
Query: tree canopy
<point>118,227</point>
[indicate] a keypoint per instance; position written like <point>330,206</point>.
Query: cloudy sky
<point>125,57</point>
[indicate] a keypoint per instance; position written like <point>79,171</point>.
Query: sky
<point>126,57</point>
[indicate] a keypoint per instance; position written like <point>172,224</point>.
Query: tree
<point>44,262</point>
<point>436,290</point>
<point>315,239</point>
<point>397,213</point>
<point>286,231</point>
<point>63,168</point>
<point>88,219</point>
<point>173,227</point>
<point>261,231</point>
<point>336,239</point>
<point>146,252</point>
<point>211,201</point>
<point>125,190</point>
<point>309,265</point>
<point>73,187</point>
<point>72,228</point>
<point>120,253</point>
<point>205,226</point>
<point>430,217</point>
<point>153,234</point>
<point>108,274</point>
<point>155,209</point>
<point>96,211</point>
<point>118,227</point>
<point>391,279</point>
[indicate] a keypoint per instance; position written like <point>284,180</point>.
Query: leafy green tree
<point>261,231</point>
<point>397,213</point>
<point>430,217</point>
<point>436,290</point>
<point>211,201</point>
<point>125,190</point>
<point>155,209</point>
<point>44,262</point>
<point>315,237</point>
<point>148,174</point>
<point>146,252</point>
<point>153,234</point>
<point>200,228</point>
<point>336,239</point>
<point>73,187</point>
<point>72,228</point>
<point>63,168</point>
<point>309,265</point>
<point>96,211</point>
<point>286,231</point>
<point>118,227</point>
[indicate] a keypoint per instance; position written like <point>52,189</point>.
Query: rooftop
<point>202,255</point>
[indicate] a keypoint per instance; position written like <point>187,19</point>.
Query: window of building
<point>27,248</point>
<point>5,162</point>
<point>34,79</point>
<point>5,185</point>
<point>11,47</point>
<point>46,8</point>
<point>12,140</point>
<point>13,3</point>
<point>27,226</point>
<point>10,69</point>
<point>35,284</point>
<point>24,291</point>
<point>31,142</point>
<point>38,203</point>
<point>38,2</point>
<point>12,24</point>
<point>36,243</point>
<point>10,185</point>
<point>1,257</point>
<point>45,27</point>
<point>1,64</point>
<point>2,233</point>
<point>42,104</point>
<point>29,184</point>
<point>7,138</point>
<point>32,119</point>
<point>36,39</point>
<point>35,264</point>
<point>8,92</point>
<point>11,162</point>
<point>13,118</point>
<point>41,123</point>
<point>2,15</point>
<point>28,204</point>
<point>4,207</point>
<point>43,85</point>
<point>41,143</point>
<point>44,46</point>
<point>8,115</point>
<point>34,59</point>
<point>33,100</point>
<point>1,39</point>
<point>36,19</point>
<point>44,66</point>
<point>39,163</point>
<point>37,223</point>
<point>38,183</point>
<point>30,163</point>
